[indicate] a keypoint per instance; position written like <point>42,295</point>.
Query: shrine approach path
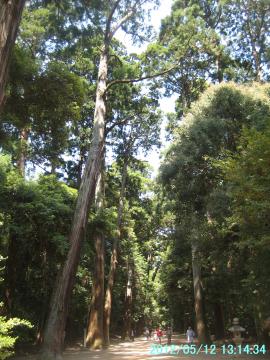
<point>140,349</point>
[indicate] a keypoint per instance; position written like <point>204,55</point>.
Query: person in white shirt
<point>190,335</point>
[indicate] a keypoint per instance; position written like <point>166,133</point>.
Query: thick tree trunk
<point>95,324</point>
<point>10,17</point>
<point>55,328</point>
<point>113,264</point>
<point>22,156</point>
<point>128,304</point>
<point>203,336</point>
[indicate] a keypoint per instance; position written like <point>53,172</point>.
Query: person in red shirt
<point>159,334</point>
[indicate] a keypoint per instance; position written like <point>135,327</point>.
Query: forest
<point>94,243</point>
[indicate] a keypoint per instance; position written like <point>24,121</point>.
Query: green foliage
<point>7,327</point>
<point>33,234</point>
<point>246,24</point>
<point>7,340</point>
<point>225,212</point>
<point>248,176</point>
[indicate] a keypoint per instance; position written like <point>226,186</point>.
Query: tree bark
<point>257,61</point>
<point>220,74</point>
<point>80,168</point>
<point>11,273</point>
<point>45,286</point>
<point>22,151</point>
<point>95,324</point>
<point>202,332</point>
<point>10,17</point>
<point>259,316</point>
<point>219,321</point>
<point>128,303</point>
<point>113,264</point>
<point>56,323</point>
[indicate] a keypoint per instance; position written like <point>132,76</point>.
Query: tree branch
<point>120,23</point>
<point>150,76</point>
<point>124,19</point>
<point>123,122</point>
<point>109,20</point>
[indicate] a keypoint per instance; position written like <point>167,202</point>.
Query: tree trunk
<point>22,156</point>
<point>10,17</point>
<point>128,304</point>
<point>11,274</point>
<point>258,318</point>
<point>80,168</point>
<point>219,321</point>
<point>203,336</point>
<point>53,167</point>
<point>95,324</point>
<point>55,327</point>
<point>156,271</point>
<point>45,286</point>
<point>220,74</point>
<point>113,264</point>
<point>257,61</point>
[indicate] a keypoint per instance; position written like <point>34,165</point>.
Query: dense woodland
<point>89,238</point>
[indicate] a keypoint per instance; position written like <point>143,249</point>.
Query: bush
<point>7,339</point>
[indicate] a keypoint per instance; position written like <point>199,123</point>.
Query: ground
<point>140,349</point>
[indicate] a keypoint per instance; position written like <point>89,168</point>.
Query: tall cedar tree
<point>56,323</point>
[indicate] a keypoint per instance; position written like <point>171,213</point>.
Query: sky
<point>166,104</point>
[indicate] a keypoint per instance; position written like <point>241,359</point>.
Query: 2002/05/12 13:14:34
<point>208,349</point>
<point>246,349</point>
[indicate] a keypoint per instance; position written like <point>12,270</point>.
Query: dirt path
<point>140,349</point>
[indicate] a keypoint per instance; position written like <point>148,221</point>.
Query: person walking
<point>147,333</point>
<point>169,335</point>
<point>190,335</point>
<point>159,334</point>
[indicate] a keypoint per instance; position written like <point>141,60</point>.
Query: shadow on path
<point>140,349</point>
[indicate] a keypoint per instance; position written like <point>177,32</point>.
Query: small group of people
<point>190,334</point>
<point>159,333</point>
